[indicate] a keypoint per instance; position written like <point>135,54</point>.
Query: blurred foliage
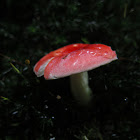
<point>30,107</point>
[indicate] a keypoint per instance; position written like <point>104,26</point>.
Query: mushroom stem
<point>80,88</point>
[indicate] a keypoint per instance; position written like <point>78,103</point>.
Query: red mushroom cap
<point>72,59</point>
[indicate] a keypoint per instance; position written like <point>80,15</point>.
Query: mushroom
<point>75,60</point>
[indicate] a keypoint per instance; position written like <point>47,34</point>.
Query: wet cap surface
<point>72,59</point>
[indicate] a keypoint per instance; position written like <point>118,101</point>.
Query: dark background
<point>30,107</point>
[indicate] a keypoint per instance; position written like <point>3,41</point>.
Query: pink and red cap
<point>72,59</point>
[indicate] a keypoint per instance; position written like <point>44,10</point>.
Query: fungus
<point>75,60</point>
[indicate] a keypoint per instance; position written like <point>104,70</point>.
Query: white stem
<point>80,88</point>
